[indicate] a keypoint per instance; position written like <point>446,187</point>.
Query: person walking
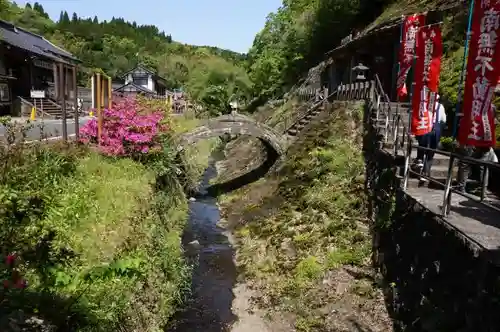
<point>480,153</point>
<point>423,162</point>
<point>465,170</point>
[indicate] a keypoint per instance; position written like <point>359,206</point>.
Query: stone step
<point>414,153</point>
<point>381,119</point>
<point>438,172</point>
<point>395,104</point>
<point>304,121</point>
<point>381,127</point>
<point>415,182</point>
<point>390,144</point>
<point>292,132</point>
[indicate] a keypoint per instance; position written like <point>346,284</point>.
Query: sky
<point>229,24</point>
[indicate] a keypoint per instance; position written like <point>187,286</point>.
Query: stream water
<point>214,275</point>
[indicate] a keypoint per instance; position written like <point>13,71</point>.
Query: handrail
<point>398,123</point>
<point>289,121</point>
<point>313,107</point>
<point>24,101</point>
<point>53,103</point>
<point>448,184</point>
<point>394,123</point>
<point>31,105</point>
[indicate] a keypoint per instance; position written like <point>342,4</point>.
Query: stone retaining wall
<point>432,278</point>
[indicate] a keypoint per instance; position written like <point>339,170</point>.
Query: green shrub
<point>98,239</point>
<point>447,143</point>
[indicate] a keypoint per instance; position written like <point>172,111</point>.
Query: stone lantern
<point>359,72</point>
<point>234,106</point>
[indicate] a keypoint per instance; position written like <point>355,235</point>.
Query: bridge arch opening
<point>272,142</point>
<point>236,125</point>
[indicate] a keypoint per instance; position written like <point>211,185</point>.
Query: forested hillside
<point>211,75</point>
<point>297,36</point>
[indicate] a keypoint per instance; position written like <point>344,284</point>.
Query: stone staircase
<point>303,121</point>
<point>48,108</point>
<point>439,170</point>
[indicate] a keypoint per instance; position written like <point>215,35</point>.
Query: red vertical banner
<point>477,126</point>
<point>429,51</point>
<point>407,49</point>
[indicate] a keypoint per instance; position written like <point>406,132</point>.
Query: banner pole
<point>462,75</point>
<point>401,29</point>
<point>395,123</point>
<point>410,113</point>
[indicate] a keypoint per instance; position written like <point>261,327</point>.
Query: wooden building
<point>31,65</point>
<point>141,80</point>
<point>376,47</point>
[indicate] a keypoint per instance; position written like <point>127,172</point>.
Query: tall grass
<point>97,238</point>
<point>307,222</point>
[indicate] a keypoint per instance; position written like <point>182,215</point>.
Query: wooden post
<point>103,92</point>
<point>75,103</point>
<point>92,91</point>
<point>55,67</point>
<point>98,104</point>
<point>62,94</point>
<point>325,97</point>
<point>110,93</point>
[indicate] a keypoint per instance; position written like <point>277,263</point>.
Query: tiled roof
<point>394,15</point>
<point>138,67</point>
<point>144,68</point>
<point>33,43</point>
<point>135,86</point>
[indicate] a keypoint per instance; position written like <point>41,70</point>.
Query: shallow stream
<point>214,275</point>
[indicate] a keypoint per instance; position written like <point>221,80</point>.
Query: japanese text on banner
<point>407,49</point>
<point>427,69</point>
<point>477,126</point>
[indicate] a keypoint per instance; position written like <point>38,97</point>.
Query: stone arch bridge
<point>237,124</point>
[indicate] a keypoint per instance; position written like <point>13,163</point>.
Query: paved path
<point>477,223</point>
<point>49,128</point>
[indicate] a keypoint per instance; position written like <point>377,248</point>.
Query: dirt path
<point>248,320</point>
<point>251,319</point>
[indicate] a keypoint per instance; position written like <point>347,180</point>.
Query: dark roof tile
<point>33,43</point>
<point>137,87</point>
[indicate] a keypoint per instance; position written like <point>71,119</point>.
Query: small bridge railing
<point>318,100</point>
<point>307,95</point>
<point>397,132</point>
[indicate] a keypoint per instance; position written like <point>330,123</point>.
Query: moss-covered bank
<point>302,234</point>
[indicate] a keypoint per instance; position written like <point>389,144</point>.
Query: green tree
<point>65,19</point>
<point>116,46</point>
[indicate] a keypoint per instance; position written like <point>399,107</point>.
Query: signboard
<point>42,64</point>
<point>37,93</point>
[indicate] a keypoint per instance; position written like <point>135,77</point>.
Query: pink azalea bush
<point>11,275</point>
<point>128,129</point>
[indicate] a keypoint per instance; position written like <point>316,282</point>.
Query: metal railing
<point>300,92</point>
<point>320,99</point>
<point>355,91</point>
<point>396,131</point>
